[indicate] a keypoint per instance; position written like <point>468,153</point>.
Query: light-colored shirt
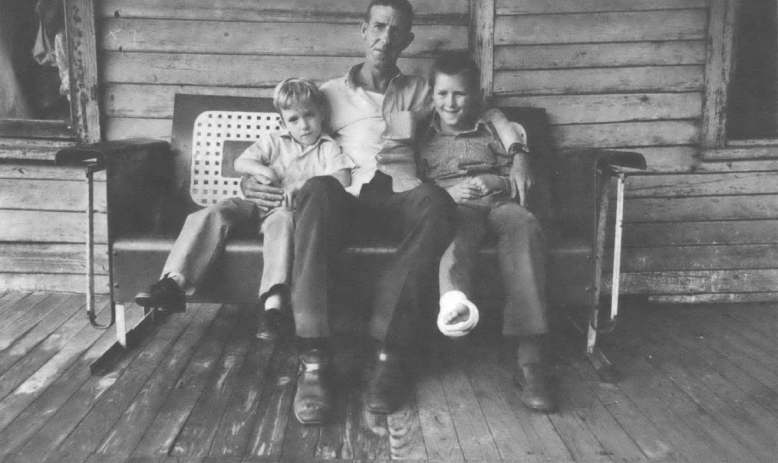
<point>292,163</point>
<point>378,135</point>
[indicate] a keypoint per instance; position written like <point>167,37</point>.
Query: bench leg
<point>125,340</point>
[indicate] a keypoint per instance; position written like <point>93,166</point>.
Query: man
<point>373,113</point>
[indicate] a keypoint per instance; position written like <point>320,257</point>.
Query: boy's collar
<point>435,125</point>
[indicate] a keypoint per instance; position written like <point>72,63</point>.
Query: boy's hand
<point>488,184</point>
<point>464,190</point>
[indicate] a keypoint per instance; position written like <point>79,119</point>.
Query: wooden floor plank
<point>160,437</point>
<point>661,400</point>
<point>509,436</point>
<point>628,415</point>
<point>41,331</point>
<point>370,432</point>
<point>274,409</point>
<point>334,439</point>
<point>734,411</point>
<point>406,441</point>
<point>437,426</point>
<point>33,386</point>
<point>11,299</point>
<point>200,429</point>
<point>472,429</point>
<point>10,332</point>
<point>237,422</point>
<point>61,400</point>
<point>98,422</point>
<point>23,306</point>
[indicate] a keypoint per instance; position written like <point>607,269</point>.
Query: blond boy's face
<point>456,102</point>
<point>304,121</point>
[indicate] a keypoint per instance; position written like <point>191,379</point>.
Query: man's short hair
<point>455,63</point>
<point>403,6</point>
<point>294,91</point>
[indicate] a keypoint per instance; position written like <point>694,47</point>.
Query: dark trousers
<point>422,218</point>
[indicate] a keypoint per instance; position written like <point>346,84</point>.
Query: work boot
<point>163,295</point>
<point>313,398</point>
<point>275,324</point>
<point>388,383</point>
<point>535,382</point>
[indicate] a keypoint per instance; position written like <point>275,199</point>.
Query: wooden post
<point>481,41</point>
<point>718,70</point>
<point>82,54</point>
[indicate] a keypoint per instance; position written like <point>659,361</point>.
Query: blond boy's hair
<point>295,90</point>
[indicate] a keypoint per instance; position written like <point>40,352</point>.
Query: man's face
<point>386,35</point>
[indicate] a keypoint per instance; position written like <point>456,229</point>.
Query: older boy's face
<point>386,35</point>
<point>304,122</point>
<point>456,102</point>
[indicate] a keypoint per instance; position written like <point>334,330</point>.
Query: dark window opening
<point>753,94</point>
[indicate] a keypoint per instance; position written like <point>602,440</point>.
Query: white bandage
<point>448,304</point>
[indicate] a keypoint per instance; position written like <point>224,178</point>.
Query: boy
<point>286,159</point>
<point>460,152</point>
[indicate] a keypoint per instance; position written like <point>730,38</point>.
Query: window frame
<point>84,126</point>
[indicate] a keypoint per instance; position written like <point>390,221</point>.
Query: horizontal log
<point>701,233</point>
<point>234,37</point>
<point>31,150</point>
<point>511,7</point>
<point>50,258</point>
<point>426,11</point>
<point>716,298</point>
<point>49,227</point>
<point>717,257</point>
<point>599,55</point>
<point>36,129</point>
<point>711,281</point>
<point>118,128</point>
<point>739,166</point>
<point>701,208</point>
<point>640,26</point>
<point>588,109</point>
<point>738,154</point>
<point>739,183</point>
<point>230,70</point>
<point>44,171</point>
<point>600,80</point>
<point>66,283</point>
<point>632,134</point>
<point>49,195</point>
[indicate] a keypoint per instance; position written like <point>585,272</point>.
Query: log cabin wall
<point>611,73</point>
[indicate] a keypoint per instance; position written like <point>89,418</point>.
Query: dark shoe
<point>388,384</point>
<point>275,324</point>
<point>313,398</point>
<point>534,380</point>
<point>163,295</point>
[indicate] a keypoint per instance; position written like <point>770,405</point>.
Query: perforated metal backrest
<point>212,177</point>
<point>209,133</point>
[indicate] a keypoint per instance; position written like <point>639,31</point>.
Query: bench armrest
<point>138,173</point>
<point>575,179</point>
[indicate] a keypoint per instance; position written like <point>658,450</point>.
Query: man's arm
<point>514,138</point>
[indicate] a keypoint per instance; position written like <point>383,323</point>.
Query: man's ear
<point>363,29</point>
<point>409,40</point>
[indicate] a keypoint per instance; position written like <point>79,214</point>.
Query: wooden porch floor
<point>699,385</point>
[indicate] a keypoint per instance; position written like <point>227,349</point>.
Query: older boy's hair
<point>294,91</point>
<point>403,6</point>
<point>456,63</point>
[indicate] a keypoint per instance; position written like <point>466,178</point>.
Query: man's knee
<point>318,189</point>
<point>431,200</point>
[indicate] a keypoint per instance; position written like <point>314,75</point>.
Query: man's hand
<point>464,190</point>
<point>521,178</point>
<point>265,196</point>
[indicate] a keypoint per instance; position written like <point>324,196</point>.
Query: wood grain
<point>637,26</point>
<point>61,227</point>
<point>512,7</point>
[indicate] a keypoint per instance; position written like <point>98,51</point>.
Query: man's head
<point>303,109</point>
<point>386,31</point>
<point>456,92</point>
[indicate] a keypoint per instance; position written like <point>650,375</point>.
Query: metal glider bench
<point>152,185</point>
